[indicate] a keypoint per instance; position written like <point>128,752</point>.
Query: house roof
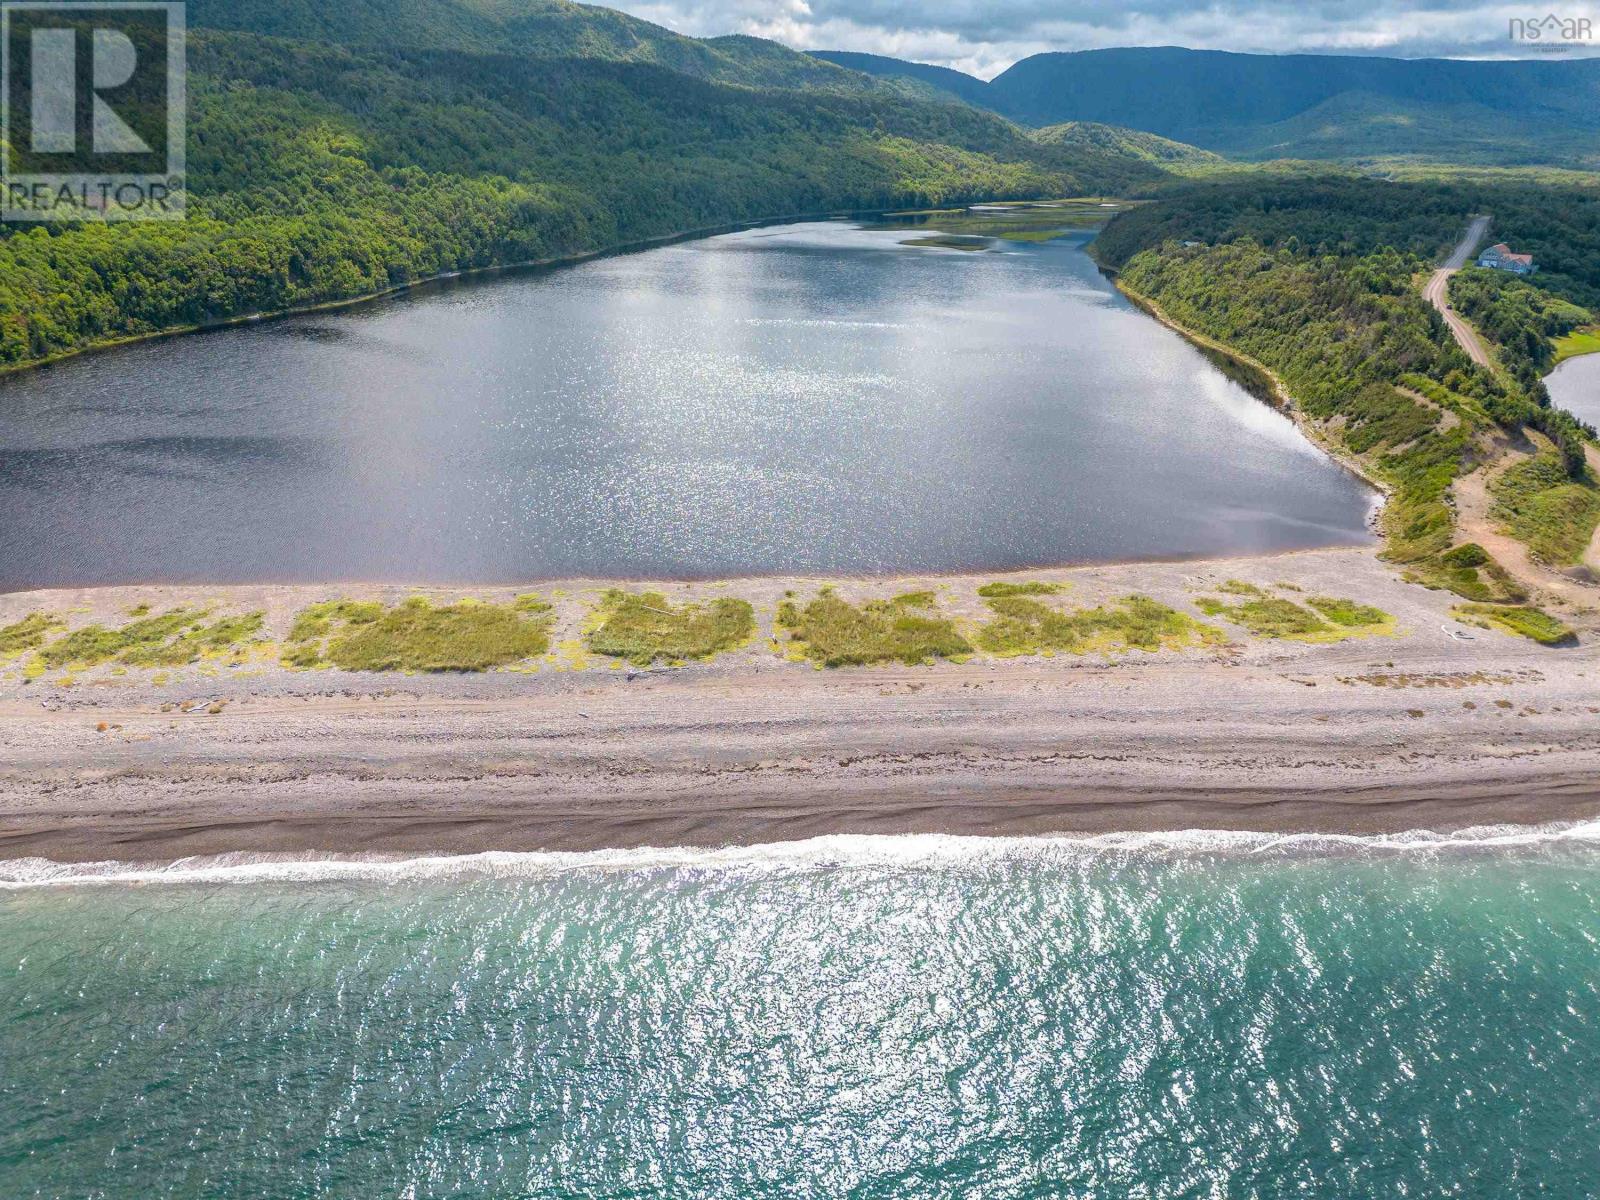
<point>1504,251</point>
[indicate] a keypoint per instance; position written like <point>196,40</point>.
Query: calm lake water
<point>1196,1017</point>
<point>805,398</point>
<point>1575,386</point>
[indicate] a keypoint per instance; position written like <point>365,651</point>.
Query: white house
<point>1500,258</point>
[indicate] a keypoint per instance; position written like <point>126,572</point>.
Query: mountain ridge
<point>1258,106</point>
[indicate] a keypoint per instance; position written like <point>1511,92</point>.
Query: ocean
<point>1183,1015</point>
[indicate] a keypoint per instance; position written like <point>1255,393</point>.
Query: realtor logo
<point>92,109</point>
<point>1552,31</point>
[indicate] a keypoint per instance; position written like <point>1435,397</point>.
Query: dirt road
<point>1438,293</point>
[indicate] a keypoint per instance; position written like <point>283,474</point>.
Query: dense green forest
<point>1518,317</point>
<point>1347,214</point>
<point>322,171</point>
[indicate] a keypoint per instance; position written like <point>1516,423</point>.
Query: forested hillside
<point>353,162</point>
<point>1319,281</point>
<point>1131,143</point>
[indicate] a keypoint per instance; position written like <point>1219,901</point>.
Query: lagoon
<point>814,397</point>
<point>1575,386</point>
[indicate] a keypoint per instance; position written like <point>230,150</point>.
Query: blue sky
<point>985,36</point>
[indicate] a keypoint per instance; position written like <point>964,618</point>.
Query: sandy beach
<point>1374,734</point>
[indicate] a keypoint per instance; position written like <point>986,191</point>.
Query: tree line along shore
<point>1317,284</point>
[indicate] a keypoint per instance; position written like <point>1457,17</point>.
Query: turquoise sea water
<point>1202,1016</point>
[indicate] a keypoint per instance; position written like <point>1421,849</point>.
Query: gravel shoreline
<point>1380,734</point>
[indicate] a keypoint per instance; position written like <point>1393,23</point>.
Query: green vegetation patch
<point>832,632</point>
<point>1328,618</point>
<point>1545,508</point>
<point>1033,587</point>
<point>416,636</point>
<point>319,620</point>
<point>1468,554</point>
<point>644,627</point>
<point>946,241</point>
<point>1579,341</point>
<point>1026,626</point>
<point>1034,235</point>
<point>95,644</point>
<point>1348,613</point>
<point>26,634</point>
<point>228,633</point>
<point>1529,622</point>
<point>1380,416</point>
<point>1021,222</point>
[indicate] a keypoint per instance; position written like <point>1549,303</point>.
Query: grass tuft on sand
<point>1528,622</point>
<point>416,636</point>
<point>96,644</point>
<point>319,620</point>
<point>27,634</point>
<point>643,627</point>
<point>1032,587</point>
<point>832,632</point>
<point>1347,613</point>
<point>1026,626</point>
<point>227,634</point>
<point>1327,619</point>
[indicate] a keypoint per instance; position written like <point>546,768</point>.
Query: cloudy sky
<point>983,37</point>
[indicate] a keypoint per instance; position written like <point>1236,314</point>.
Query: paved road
<point>1437,291</point>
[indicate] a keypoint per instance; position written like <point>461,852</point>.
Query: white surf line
<point>842,850</point>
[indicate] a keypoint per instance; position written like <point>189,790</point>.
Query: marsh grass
<point>1030,588</point>
<point>945,241</point>
<point>27,634</point>
<point>415,635</point>
<point>1544,508</point>
<point>318,621</point>
<point>1327,619</point>
<point>1028,219</point>
<point>1579,341</point>
<point>1528,622</point>
<point>96,644</point>
<point>229,635</point>
<point>1347,613</point>
<point>646,627</point>
<point>832,632</point>
<point>1027,626</point>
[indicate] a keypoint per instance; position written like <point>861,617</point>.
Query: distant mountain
<point>1126,143</point>
<point>937,79</point>
<point>1306,105</point>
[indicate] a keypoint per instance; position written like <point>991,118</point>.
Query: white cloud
<point>983,37</point>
